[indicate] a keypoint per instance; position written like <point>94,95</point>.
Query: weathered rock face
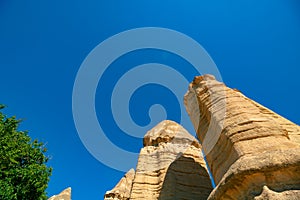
<point>247,145</point>
<point>271,195</point>
<point>123,188</point>
<point>64,195</point>
<point>170,166</point>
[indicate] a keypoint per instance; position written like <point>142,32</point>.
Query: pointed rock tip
<point>131,172</point>
<point>204,77</point>
<point>165,132</point>
<point>65,194</point>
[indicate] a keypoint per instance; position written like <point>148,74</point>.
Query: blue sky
<point>255,45</point>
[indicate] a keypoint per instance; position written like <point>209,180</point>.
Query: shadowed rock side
<point>247,145</point>
<point>64,195</point>
<point>185,179</point>
<point>122,190</point>
<point>170,166</point>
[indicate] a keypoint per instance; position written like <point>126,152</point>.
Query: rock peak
<point>168,131</point>
<point>205,77</point>
<point>64,195</point>
<point>123,189</point>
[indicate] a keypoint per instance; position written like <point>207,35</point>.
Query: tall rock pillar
<point>249,148</point>
<point>170,166</point>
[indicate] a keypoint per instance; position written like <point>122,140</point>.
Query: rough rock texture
<point>123,188</point>
<point>64,195</point>
<point>271,195</point>
<point>247,145</point>
<point>170,166</point>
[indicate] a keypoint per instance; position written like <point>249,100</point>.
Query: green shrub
<point>23,170</point>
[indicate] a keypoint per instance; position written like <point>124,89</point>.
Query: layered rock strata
<point>64,195</point>
<point>248,147</point>
<point>170,166</point>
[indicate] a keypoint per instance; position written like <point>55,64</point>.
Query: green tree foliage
<point>23,171</point>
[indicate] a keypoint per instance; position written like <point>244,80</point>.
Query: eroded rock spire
<point>170,166</point>
<point>252,146</point>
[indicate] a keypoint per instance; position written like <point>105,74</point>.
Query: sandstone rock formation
<point>64,195</point>
<point>271,195</point>
<point>170,166</point>
<point>249,148</point>
<point>253,153</point>
<point>123,188</point>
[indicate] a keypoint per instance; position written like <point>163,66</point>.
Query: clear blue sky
<point>255,44</point>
